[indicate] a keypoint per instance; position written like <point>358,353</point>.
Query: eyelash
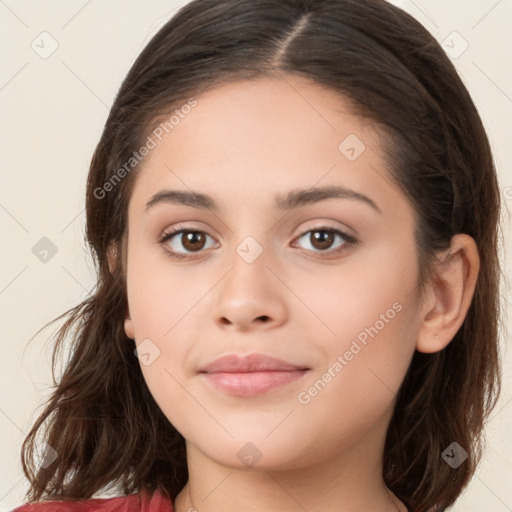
<point>350,241</point>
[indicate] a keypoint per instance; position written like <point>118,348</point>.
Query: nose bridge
<point>249,276</point>
<point>250,293</point>
<point>252,244</point>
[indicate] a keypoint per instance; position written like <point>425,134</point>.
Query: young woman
<point>294,213</point>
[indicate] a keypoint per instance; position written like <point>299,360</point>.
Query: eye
<point>188,242</point>
<point>181,242</point>
<point>322,238</point>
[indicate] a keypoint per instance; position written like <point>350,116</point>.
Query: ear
<point>450,291</point>
<point>128,327</point>
<point>112,258</point>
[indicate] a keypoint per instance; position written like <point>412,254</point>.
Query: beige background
<point>53,112</point>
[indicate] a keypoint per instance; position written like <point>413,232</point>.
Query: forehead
<point>268,114</point>
<point>264,135</point>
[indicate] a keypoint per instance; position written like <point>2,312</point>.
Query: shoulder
<point>142,502</point>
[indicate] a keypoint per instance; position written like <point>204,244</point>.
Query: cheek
<point>357,387</point>
<point>158,298</point>
<point>370,312</point>
<point>365,291</point>
<point>160,304</point>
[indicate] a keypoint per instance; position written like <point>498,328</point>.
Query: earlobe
<point>451,290</point>
<point>112,259</point>
<point>128,328</point>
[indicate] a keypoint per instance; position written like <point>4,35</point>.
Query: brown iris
<point>321,238</point>
<point>193,240</point>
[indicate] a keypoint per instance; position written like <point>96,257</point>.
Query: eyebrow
<point>293,199</point>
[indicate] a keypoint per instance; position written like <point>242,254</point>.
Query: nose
<point>250,297</point>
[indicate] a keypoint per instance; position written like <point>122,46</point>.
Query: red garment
<point>132,503</point>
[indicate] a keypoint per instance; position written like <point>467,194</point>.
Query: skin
<point>242,144</point>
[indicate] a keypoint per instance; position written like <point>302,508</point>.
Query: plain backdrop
<point>53,110</point>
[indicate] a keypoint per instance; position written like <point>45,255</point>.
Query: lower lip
<point>252,383</point>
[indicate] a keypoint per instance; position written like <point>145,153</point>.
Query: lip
<point>250,375</point>
<point>234,363</point>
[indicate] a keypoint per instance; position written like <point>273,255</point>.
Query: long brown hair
<point>101,418</point>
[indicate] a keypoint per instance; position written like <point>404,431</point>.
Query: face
<point>324,280</point>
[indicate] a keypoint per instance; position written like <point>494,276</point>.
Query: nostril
<point>263,318</point>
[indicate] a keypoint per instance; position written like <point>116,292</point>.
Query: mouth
<point>250,375</point>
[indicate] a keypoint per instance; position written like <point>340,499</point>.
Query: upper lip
<point>234,363</point>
